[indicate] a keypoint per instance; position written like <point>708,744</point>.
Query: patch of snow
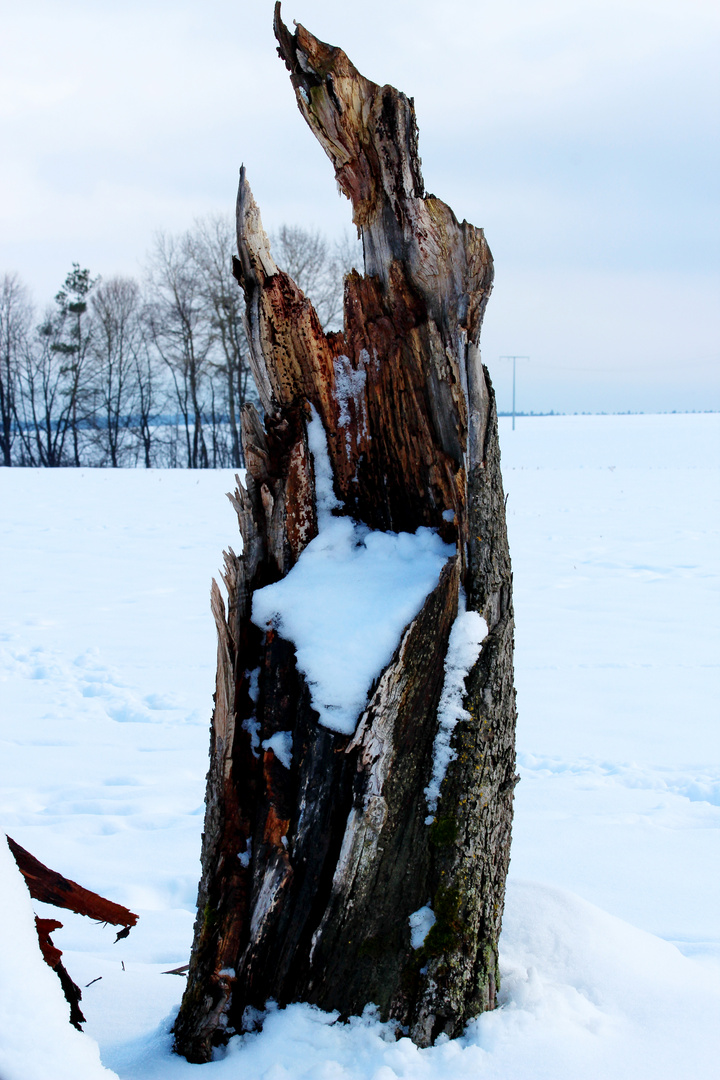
<point>246,855</point>
<point>253,684</point>
<point>325,498</point>
<point>348,598</point>
<point>252,1019</point>
<point>421,923</point>
<point>466,637</point>
<point>350,386</point>
<point>252,725</point>
<point>281,745</point>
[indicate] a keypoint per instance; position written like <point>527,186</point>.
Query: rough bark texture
<point>335,853</point>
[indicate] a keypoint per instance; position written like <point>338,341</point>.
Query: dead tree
<point>310,874</point>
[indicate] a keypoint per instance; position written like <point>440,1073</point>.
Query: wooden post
<point>310,875</point>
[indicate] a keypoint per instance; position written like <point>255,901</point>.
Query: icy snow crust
<point>348,598</point>
<point>281,745</point>
<point>466,637</point>
<point>107,670</point>
<point>421,923</point>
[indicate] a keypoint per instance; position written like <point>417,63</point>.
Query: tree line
<point>151,372</point>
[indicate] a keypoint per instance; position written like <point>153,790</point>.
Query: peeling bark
<point>309,874</point>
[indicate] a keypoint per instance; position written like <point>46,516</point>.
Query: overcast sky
<point>583,135</point>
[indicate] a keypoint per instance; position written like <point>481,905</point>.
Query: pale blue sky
<point>582,134</point>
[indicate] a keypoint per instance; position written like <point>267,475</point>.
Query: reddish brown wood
<point>51,954</point>
<point>51,887</point>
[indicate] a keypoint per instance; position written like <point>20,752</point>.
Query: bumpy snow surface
<point>347,599</point>
<point>610,953</point>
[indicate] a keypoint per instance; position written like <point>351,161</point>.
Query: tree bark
<point>310,874</point>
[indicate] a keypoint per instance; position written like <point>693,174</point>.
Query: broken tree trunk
<point>311,873</point>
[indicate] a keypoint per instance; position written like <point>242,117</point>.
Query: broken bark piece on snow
<point>51,954</point>
<point>50,887</point>
<point>53,958</point>
<point>372,869</point>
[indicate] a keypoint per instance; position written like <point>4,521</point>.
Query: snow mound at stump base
<point>583,994</point>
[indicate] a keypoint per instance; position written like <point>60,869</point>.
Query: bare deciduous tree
<point>15,323</point>
<point>212,242</point>
<point>42,407</point>
<point>317,267</point>
<point>182,334</point>
<point>149,393</point>
<point>117,341</point>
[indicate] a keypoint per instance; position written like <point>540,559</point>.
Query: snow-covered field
<point>611,946</point>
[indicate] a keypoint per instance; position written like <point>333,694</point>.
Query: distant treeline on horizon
<point>153,373</point>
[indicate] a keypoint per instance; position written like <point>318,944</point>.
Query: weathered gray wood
<point>335,853</point>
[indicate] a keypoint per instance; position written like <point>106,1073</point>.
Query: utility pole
<point>514,359</point>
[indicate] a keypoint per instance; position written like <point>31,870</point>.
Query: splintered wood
<point>311,873</point>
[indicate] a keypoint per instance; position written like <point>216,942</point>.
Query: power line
<point>514,359</point>
<point>649,366</point>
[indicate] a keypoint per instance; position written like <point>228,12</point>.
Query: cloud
<point>578,134</point>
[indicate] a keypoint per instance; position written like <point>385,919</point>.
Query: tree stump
<point>370,866</point>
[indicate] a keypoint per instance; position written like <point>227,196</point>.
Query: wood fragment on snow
<point>51,887</point>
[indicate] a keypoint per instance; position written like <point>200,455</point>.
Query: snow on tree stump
<point>361,858</point>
